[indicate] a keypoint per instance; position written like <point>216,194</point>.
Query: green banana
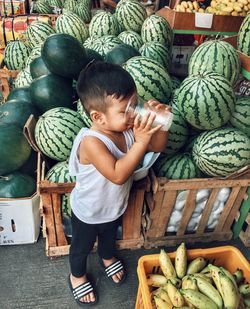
<point>176,282</point>
<point>181,261</point>
<point>246,302</point>
<point>156,280</point>
<point>214,270</point>
<point>230,276</point>
<point>174,295</point>
<point>184,307</point>
<point>198,299</point>
<point>189,282</point>
<point>161,304</point>
<point>205,270</point>
<point>196,265</point>
<point>203,276</point>
<point>160,292</point>
<point>166,265</point>
<point>207,289</point>
<point>238,276</point>
<point>244,289</point>
<point>229,292</point>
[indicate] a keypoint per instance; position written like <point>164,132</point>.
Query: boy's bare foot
<point>118,276</point>
<point>75,282</point>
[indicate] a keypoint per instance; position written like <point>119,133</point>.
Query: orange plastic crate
<point>227,256</point>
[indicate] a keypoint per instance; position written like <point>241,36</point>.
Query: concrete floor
<point>29,279</point>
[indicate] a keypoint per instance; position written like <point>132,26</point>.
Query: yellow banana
<point>161,304</point>
<point>174,295</point>
<point>198,299</point>
<point>205,270</point>
<point>229,293</point>
<point>166,265</point>
<point>215,275</point>
<point>244,289</point>
<point>176,282</point>
<point>203,276</point>
<point>156,280</point>
<point>230,276</point>
<point>238,276</point>
<point>196,265</point>
<point>184,307</point>
<point>160,292</point>
<point>181,261</point>
<point>189,283</point>
<point>207,289</point>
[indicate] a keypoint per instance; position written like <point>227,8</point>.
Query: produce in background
<point>121,53</point>
<point>70,5</point>
<point>37,33</point>
<point>103,23</point>
<point>38,68</point>
<point>42,7</point>
<point>240,118</point>
<point>14,150</point>
<point>131,38</point>
<point>104,44</point>
<point>23,78</point>
<point>156,29</point>
<point>55,132</point>
<point>131,15</point>
<point>221,152</point>
<point>83,11</point>
<point>35,53</point>
<point>152,80</point>
<point>15,55</point>
<point>206,101</point>
<point>243,42</point>
<point>215,56</point>
<point>17,185</point>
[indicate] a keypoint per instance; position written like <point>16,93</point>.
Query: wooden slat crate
<point>56,242</point>
<point>5,75</point>
<point>161,200</point>
<point>245,232</point>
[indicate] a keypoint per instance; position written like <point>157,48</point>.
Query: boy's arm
<point>158,141</point>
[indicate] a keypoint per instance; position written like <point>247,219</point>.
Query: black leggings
<point>83,238</point>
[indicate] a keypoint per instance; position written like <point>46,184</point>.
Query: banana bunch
<point>229,7</point>
<point>197,284</point>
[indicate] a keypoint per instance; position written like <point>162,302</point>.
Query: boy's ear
<point>97,116</point>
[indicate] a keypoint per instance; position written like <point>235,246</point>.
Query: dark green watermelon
<point>50,91</point>
<point>121,53</point>
<point>64,55</point>
<point>93,55</point>
<point>38,68</point>
<point>17,185</point>
<point>15,149</point>
<point>22,93</point>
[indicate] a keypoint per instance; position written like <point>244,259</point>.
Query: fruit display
<point>196,283</point>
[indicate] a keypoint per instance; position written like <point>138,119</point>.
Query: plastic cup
<point>162,117</point>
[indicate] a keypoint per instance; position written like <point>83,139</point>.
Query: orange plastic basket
<point>227,256</point>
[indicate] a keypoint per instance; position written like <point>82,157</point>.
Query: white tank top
<point>95,199</point>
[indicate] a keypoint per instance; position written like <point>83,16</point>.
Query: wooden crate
<point>161,201</point>
<point>245,232</point>
<point>56,242</point>
<point>5,75</point>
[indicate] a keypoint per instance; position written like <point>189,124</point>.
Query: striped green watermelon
<point>56,3</point>
<point>70,23</point>
<point>89,42</point>
<point>180,166</point>
<point>206,101</point>
<point>23,78</point>
<point>35,53</point>
<point>156,29</point>
<point>174,99</point>
<point>70,5</point>
<point>151,79</point>
<point>131,15</point>
<point>103,23</point>
<point>56,130</point>
<point>83,11</point>
<point>244,37</point>
<point>59,173</point>
<point>42,7</point>
<point>15,55</point>
<point>175,82</point>
<point>215,56</point>
<point>241,116</point>
<point>190,144</point>
<point>37,32</point>
<point>87,3</point>
<point>84,115</point>
<point>221,152</point>
<point>157,52</point>
<point>131,38</point>
<point>104,44</point>
<point>178,133</point>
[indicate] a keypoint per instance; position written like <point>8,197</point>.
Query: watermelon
<point>180,166</point>
<point>83,11</point>
<point>221,152</point>
<point>178,133</point>
<point>37,32</point>
<point>151,79</point>
<point>92,55</point>
<point>17,185</point>
<point>35,52</point>
<point>131,15</point>
<point>131,38</point>
<point>104,44</point>
<point>241,116</point>
<point>64,55</point>
<point>157,52</point>
<point>49,91</point>
<point>22,93</point>
<point>156,29</point>
<point>70,5</point>
<point>38,68</point>
<point>70,23</point>
<point>84,115</point>
<point>215,56</point>
<point>89,42</point>
<point>103,23</point>
<point>243,42</point>
<point>121,53</point>
<point>55,132</point>
<point>206,101</point>
<point>175,82</point>
<point>14,150</point>
<point>23,78</point>
<point>42,7</point>
<point>15,55</point>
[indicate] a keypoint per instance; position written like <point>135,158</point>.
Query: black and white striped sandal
<point>81,291</point>
<point>113,269</point>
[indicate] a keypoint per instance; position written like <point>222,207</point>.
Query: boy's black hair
<point>99,80</point>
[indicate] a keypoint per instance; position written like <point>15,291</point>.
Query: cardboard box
<point>200,21</point>
<point>182,54</point>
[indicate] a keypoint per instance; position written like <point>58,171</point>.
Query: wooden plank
<point>49,219</point>
<point>234,210</point>
<point>227,208</point>
<point>187,212</point>
<point>60,188</point>
<point>207,211</point>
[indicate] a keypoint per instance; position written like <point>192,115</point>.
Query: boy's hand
<point>159,106</point>
<point>143,130</point>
